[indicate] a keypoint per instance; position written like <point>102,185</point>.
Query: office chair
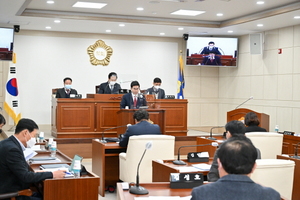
<point>13,195</point>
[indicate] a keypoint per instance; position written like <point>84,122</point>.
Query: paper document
<point>202,166</point>
<point>56,160</point>
<point>29,153</point>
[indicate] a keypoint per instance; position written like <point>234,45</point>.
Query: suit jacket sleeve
<point>102,88</point>
<point>162,94</point>
<point>59,93</point>
<point>213,174</point>
<point>15,160</point>
<point>124,140</point>
<point>73,91</point>
<point>123,102</point>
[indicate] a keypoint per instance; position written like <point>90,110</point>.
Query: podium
<point>236,114</point>
<point>125,116</point>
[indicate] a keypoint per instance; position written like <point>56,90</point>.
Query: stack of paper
<point>202,166</point>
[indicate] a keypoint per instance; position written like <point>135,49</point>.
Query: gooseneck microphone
<point>210,134</point>
<point>245,102</point>
<point>103,140</point>
<point>180,162</point>
<point>137,189</point>
<point>296,152</point>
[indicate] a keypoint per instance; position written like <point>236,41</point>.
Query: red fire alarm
<point>279,51</point>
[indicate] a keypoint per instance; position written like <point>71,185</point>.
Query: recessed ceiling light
<point>57,21</point>
<point>230,31</point>
<point>162,34</point>
<point>297,17</point>
<point>50,2</point>
<point>260,2</point>
<point>180,28</point>
<point>139,8</point>
<point>80,4</point>
<point>220,14</point>
<point>48,27</point>
<point>154,13</point>
<point>260,25</point>
<point>122,25</point>
<point>108,31</point>
<point>188,12</point>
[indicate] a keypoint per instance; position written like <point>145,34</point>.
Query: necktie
<point>68,92</point>
<point>134,102</point>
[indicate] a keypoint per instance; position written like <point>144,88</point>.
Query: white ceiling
<point>240,16</point>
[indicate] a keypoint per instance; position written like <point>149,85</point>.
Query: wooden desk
<point>161,171</point>
<point>196,59</point>
<point>88,118</point>
<point>64,158</point>
<point>296,184</point>
<point>210,149</point>
<point>105,163</point>
<point>155,189</point>
<point>83,188</point>
<point>289,144</point>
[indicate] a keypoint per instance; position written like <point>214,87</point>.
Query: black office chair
<point>13,195</point>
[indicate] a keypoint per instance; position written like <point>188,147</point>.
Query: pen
<point>68,173</point>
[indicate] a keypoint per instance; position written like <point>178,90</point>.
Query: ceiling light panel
<point>80,4</point>
<point>187,12</point>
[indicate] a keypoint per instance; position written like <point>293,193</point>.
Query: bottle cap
<point>50,140</point>
<point>41,135</point>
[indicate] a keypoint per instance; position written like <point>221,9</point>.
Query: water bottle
<point>48,145</point>
<point>41,136</point>
<point>53,149</point>
<point>276,128</point>
<point>77,168</point>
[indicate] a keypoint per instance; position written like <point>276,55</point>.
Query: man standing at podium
<point>134,99</point>
<point>111,86</point>
<point>236,162</point>
<point>142,127</point>
<point>67,90</point>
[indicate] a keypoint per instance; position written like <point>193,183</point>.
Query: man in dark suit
<point>156,90</point>
<point>211,59</point>
<point>67,90</point>
<point>211,49</point>
<point>233,129</point>
<point>111,86</point>
<point>14,170</point>
<point>236,162</point>
<point>134,99</point>
<point>142,127</point>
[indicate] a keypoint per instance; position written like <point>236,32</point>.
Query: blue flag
<point>180,82</point>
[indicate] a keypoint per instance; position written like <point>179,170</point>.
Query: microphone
<point>137,189</point>
<point>210,135</point>
<point>296,152</point>
<point>222,50</point>
<point>103,140</point>
<point>124,82</point>
<point>244,102</point>
<point>180,162</point>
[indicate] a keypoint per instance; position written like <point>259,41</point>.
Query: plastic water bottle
<point>77,168</point>
<point>41,136</point>
<point>276,128</point>
<point>53,149</point>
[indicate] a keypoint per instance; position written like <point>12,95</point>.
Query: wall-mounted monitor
<point>6,43</point>
<point>212,51</point>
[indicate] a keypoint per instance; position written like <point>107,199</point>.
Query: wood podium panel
<point>236,114</point>
<point>125,116</point>
<point>88,118</point>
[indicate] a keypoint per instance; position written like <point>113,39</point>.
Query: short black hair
<point>112,74</point>
<point>25,123</point>
<point>2,120</point>
<point>235,128</point>
<point>67,78</point>
<point>141,114</point>
<point>134,83</point>
<point>251,119</point>
<point>211,42</point>
<point>237,155</point>
<point>157,80</point>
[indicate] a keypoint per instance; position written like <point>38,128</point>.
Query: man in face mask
<point>14,170</point>
<point>156,90</point>
<point>67,90</point>
<point>111,86</point>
